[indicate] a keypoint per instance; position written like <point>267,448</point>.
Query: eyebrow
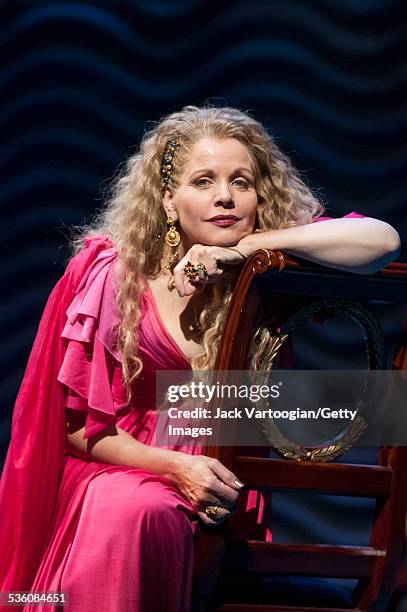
<point>209,171</point>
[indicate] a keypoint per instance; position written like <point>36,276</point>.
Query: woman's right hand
<point>205,481</point>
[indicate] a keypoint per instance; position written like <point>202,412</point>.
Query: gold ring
<point>212,512</point>
<point>192,270</point>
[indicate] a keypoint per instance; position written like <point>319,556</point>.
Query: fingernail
<point>238,483</point>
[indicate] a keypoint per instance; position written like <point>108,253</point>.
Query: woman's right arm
<point>202,480</point>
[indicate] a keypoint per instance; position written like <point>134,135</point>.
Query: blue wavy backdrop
<point>81,80</point>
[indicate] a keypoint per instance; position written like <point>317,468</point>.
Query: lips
<point>224,222</point>
<point>224,218</point>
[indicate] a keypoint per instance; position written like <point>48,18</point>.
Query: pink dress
<point>121,538</point>
<point>112,537</point>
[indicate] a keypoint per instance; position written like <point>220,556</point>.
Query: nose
<point>223,195</point>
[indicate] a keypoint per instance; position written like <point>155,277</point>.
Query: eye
<point>242,183</point>
<point>202,182</point>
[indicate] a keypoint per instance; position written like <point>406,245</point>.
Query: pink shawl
<point>30,479</point>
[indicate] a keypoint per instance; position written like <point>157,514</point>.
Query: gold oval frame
<point>376,358</point>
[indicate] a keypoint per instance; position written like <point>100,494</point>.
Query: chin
<point>224,241</point>
<point>223,238</point>
<point>229,240</point>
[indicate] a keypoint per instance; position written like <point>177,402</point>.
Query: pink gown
<point>111,537</point>
<point>121,539</point>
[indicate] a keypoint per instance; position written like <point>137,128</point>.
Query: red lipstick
<point>224,220</point>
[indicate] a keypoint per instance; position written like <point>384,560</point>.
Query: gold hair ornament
<point>167,164</point>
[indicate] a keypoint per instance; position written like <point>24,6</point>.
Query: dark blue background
<point>80,82</point>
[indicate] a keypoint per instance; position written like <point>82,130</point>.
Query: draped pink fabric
<point>29,484</point>
<point>351,215</point>
<point>111,537</point>
<point>114,537</point>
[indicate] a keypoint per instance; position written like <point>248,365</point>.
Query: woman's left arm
<point>361,245</point>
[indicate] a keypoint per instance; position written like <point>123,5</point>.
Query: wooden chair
<point>376,565</point>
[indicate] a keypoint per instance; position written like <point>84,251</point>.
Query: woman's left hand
<point>214,259</point>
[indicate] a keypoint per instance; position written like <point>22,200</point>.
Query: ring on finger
<point>212,513</point>
<point>192,270</point>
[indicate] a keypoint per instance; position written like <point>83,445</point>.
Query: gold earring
<point>172,238</point>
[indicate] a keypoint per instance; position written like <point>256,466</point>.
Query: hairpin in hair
<point>167,165</point>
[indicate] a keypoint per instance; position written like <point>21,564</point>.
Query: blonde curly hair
<point>135,220</point>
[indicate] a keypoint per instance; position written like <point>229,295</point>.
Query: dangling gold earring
<point>172,238</point>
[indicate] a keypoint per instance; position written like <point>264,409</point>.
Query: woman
<point>105,515</point>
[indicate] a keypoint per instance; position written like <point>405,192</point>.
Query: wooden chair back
<point>376,565</point>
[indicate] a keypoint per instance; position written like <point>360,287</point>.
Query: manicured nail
<point>238,483</point>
